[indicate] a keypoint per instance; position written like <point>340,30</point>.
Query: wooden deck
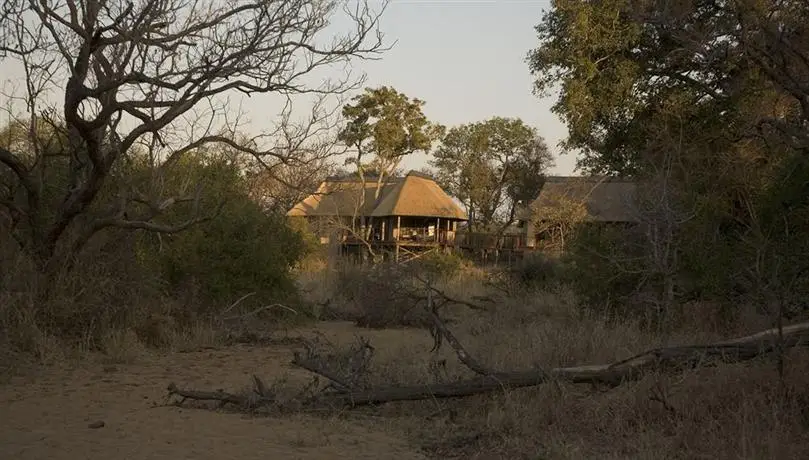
<point>464,241</point>
<point>486,246</point>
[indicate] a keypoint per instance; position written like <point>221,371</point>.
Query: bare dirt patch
<point>725,412</point>
<point>48,414</point>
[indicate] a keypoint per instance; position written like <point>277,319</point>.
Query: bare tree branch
<point>159,74</point>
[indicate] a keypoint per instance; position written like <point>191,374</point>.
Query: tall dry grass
<point>730,412</point>
<point>108,305</point>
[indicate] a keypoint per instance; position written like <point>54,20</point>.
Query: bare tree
<point>662,212</point>
<point>311,146</point>
<point>159,75</point>
<point>560,220</point>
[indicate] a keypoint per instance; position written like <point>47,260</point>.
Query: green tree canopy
<point>387,125</point>
<point>707,102</point>
<point>244,249</point>
<point>729,68</point>
<point>491,166</point>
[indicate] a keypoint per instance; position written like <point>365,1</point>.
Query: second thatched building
<point>566,202</point>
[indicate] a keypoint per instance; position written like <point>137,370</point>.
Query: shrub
<point>602,266</point>
<point>107,290</point>
<point>439,266</point>
<point>242,250</point>
<point>537,270</point>
<point>380,296</point>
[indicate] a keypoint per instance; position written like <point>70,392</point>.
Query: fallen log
<point>732,351</point>
<point>632,368</point>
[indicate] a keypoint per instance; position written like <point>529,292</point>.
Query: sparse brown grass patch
<point>726,412</point>
<point>729,411</point>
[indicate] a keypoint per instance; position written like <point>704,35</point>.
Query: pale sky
<point>465,58</point>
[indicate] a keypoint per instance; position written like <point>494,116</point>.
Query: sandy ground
<point>48,415</point>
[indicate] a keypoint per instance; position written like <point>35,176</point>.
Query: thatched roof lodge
<point>411,209</point>
<point>339,196</point>
<point>606,201</point>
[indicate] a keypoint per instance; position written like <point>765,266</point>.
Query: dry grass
<point>111,304</point>
<point>736,411</point>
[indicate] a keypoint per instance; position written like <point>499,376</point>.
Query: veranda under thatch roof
<point>606,199</point>
<point>415,194</point>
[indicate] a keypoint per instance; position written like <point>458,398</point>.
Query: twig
<point>441,293</point>
<point>259,310</point>
<point>659,396</point>
<point>460,351</point>
<point>237,302</point>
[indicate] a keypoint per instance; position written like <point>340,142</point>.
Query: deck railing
<point>475,240</point>
<point>482,240</point>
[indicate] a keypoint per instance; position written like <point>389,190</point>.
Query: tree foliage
<point>387,125</point>
<point>491,166</point>
<point>620,63</point>
<point>243,250</point>
<point>705,101</point>
<point>556,222</point>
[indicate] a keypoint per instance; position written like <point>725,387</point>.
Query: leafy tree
<point>45,151</point>
<point>620,63</point>
<point>387,125</point>
<point>557,222</point>
<point>703,91</point>
<point>492,166</point>
<point>243,250</point>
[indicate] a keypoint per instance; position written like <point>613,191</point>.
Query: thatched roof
<point>415,194</point>
<point>418,195</point>
<point>606,199</point>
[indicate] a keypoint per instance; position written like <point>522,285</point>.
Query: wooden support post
<point>437,229</point>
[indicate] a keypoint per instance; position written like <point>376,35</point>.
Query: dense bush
<point>439,266</point>
<point>242,249</point>
<point>730,253</point>
<point>602,267</point>
<point>131,279</point>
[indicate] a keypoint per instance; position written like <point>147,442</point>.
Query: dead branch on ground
<point>346,371</point>
<point>672,359</point>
